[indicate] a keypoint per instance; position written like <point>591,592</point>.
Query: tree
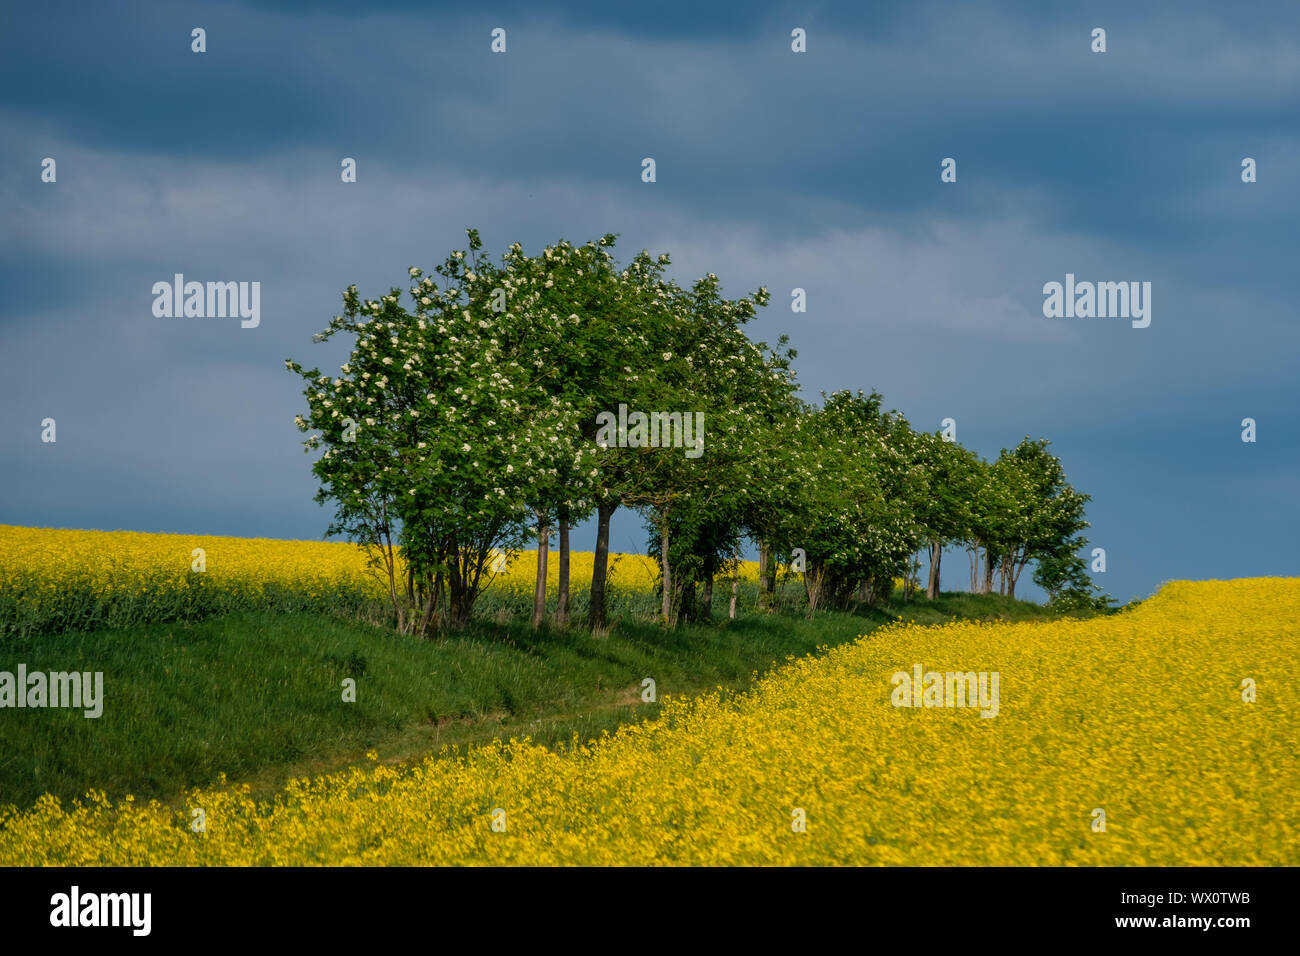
<point>851,499</point>
<point>1040,511</point>
<point>570,304</point>
<point>430,434</point>
<point>746,387</point>
<point>484,414</point>
<point>617,359</point>
<point>710,370</point>
<point>1063,574</point>
<point>952,478</point>
<point>991,505</point>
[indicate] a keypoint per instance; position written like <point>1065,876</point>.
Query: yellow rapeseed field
<point>115,560</point>
<point>113,563</point>
<point>1140,715</point>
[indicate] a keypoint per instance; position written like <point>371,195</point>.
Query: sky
<point>817,170</point>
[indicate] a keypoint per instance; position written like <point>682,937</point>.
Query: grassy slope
<point>258,695</point>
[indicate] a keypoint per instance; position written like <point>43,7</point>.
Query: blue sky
<point>817,170</point>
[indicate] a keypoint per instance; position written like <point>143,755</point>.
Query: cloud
<point>819,171</point>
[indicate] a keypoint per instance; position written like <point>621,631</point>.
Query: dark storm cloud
<point>818,171</point>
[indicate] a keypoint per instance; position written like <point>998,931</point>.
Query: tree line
<point>475,419</point>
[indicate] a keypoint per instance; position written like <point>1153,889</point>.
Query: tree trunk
<point>1011,575</point>
<point>410,591</point>
<point>735,584</point>
<point>706,597</point>
<point>1016,571</point>
<point>813,581</point>
<point>988,572</point>
<point>460,597</point>
<point>764,576</point>
<point>435,593</point>
<point>543,550</point>
<point>463,611</point>
<point>562,599</point>
<point>688,608</point>
<point>936,556</point>
<point>596,614</point>
<point>667,606</point>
